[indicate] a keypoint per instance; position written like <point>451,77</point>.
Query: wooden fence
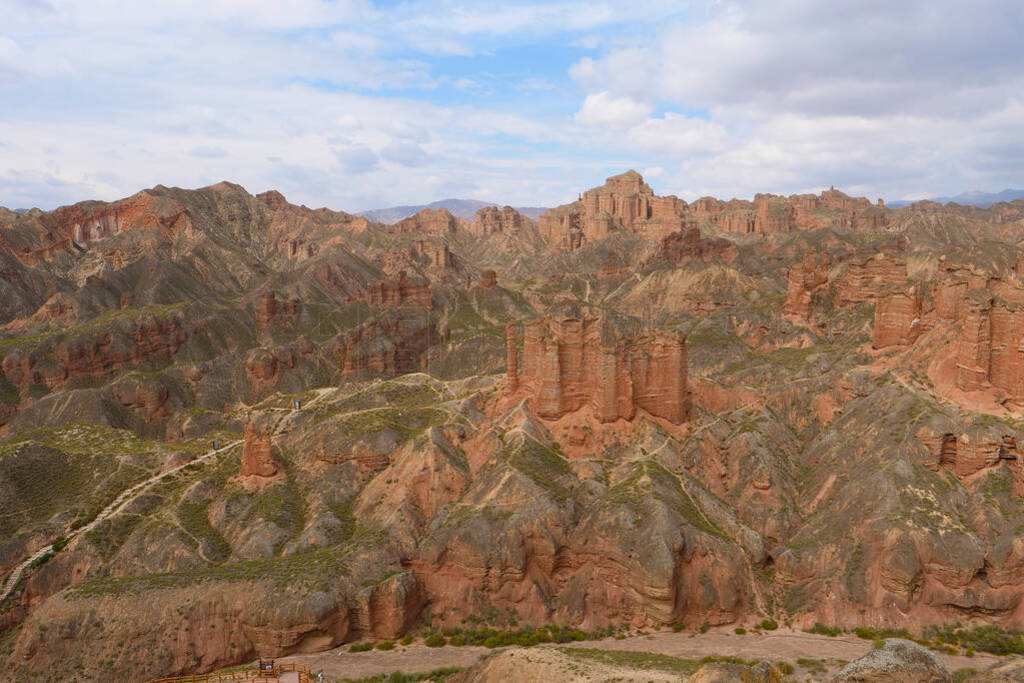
<point>248,674</point>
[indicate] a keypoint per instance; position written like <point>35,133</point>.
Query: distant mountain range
<point>462,208</point>
<point>972,198</point>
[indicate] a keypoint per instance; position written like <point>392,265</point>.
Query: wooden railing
<point>249,674</point>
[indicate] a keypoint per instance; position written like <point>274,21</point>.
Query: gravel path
<point>779,646</point>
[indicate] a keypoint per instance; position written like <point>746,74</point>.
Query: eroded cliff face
<point>688,244</point>
<point>572,362</point>
<point>428,221</point>
<point>803,280</point>
<point>626,202</point>
<point>399,291</point>
<point>491,220</point>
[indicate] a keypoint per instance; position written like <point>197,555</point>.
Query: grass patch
<point>646,661</point>
<point>308,571</point>
<point>823,630</point>
<point>435,676</point>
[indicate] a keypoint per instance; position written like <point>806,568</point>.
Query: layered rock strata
<point>684,245</point>
<point>398,291</point>
<point>614,368</point>
<point>491,220</point>
<point>897,318</point>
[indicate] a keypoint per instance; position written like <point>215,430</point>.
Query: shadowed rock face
<point>851,456</point>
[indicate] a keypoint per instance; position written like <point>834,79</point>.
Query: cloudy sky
<point>355,104</point>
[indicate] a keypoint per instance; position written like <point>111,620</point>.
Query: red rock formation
<point>435,253</point>
<point>268,308</point>
<point>897,318</point>
<point>569,363</point>
<point>804,278</point>
<point>989,345</point>
<point>257,460</point>
<point>490,220</point>
<point>688,244</point>
<point>399,291</point>
<point>388,345</point>
<point>968,452</point>
<point>512,357</point>
<point>130,343</point>
<point>865,277</point>
<point>488,280</point>
<point>611,268</point>
<point>624,202</point>
<point>430,221</point>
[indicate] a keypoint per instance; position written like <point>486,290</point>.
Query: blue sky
<point>355,104</point>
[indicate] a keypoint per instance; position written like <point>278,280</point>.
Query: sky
<point>354,104</point>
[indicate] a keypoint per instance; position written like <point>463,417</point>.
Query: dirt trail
<point>130,494</point>
<point>780,646</point>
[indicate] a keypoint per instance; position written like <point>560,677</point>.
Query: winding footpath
<point>130,494</point>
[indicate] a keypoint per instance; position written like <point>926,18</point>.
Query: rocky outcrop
<point>399,291</point>
<point>803,280</point>
<point>389,345</point>
<point>898,660</point>
<point>864,277</point>
<point>897,318</point>
<point>966,451</point>
<point>610,269</point>
<point>612,366</point>
<point>268,309</point>
<point>256,452</point>
<point>128,343</point>
<point>988,347</point>
<point>624,202</point>
<point>491,220</point>
<point>488,280</point>
<point>429,221</point>
<point>688,244</point>
<point>435,253</point>
<point>769,214</point>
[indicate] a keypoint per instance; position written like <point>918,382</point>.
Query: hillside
<point>234,427</point>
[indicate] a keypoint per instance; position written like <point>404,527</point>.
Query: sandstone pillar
<point>511,357</point>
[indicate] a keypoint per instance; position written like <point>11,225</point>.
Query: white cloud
<point>603,109</point>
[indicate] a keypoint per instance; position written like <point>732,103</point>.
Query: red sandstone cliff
<point>491,220</point>
<point>430,221</point>
<point>688,244</point>
<point>614,368</point>
<point>398,291</point>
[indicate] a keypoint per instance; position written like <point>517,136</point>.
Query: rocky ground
<point>635,412</point>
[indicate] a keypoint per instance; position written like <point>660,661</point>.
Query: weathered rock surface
<point>572,362</point>
<point>491,220</point>
<point>688,244</point>
<point>898,660</point>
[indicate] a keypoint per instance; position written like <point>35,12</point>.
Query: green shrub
<point>435,640</point>
<point>677,627</point>
<point>821,629</point>
<point>769,624</point>
<point>704,627</point>
<point>739,630</point>
<point>406,639</point>
<point>786,668</point>
<point>386,645</point>
<point>361,647</point>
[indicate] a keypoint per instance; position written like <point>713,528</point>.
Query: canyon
<point>635,411</point>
